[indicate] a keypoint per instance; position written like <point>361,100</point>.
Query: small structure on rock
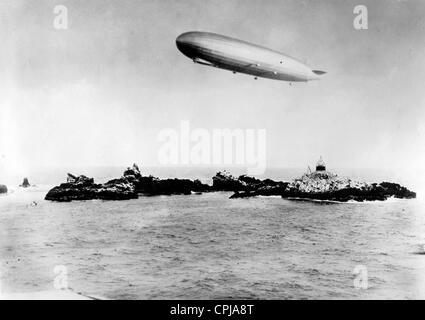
<point>320,166</point>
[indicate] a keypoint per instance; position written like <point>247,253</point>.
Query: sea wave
<point>209,246</point>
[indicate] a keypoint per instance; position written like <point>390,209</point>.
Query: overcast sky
<point>99,92</point>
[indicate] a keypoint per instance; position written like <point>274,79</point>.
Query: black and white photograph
<point>216,150</point>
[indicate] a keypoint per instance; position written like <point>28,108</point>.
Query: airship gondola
<point>239,56</point>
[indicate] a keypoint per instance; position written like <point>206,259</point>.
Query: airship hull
<point>242,57</point>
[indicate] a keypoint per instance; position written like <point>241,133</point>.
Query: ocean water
<point>210,247</point>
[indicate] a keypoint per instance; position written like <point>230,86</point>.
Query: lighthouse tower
<point>320,166</point>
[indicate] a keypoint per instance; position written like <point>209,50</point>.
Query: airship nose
<point>181,39</point>
<point>184,38</point>
<point>184,41</point>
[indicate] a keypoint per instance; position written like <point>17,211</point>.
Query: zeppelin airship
<point>227,53</point>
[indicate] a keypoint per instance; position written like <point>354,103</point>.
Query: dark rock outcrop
<point>3,189</point>
<point>155,186</point>
<point>397,191</point>
<point>151,185</point>
<point>25,183</point>
<point>224,181</point>
<point>245,186</point>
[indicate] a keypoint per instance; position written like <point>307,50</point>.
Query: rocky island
<point>129,186</point>
<point>25,183</point>
<point>319,185</point>
<point>330,187</point>
<point>327,186</point>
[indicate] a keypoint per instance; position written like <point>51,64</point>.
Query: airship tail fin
<point>318,72</point>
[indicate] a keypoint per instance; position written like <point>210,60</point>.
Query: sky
<point>99,92</point>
